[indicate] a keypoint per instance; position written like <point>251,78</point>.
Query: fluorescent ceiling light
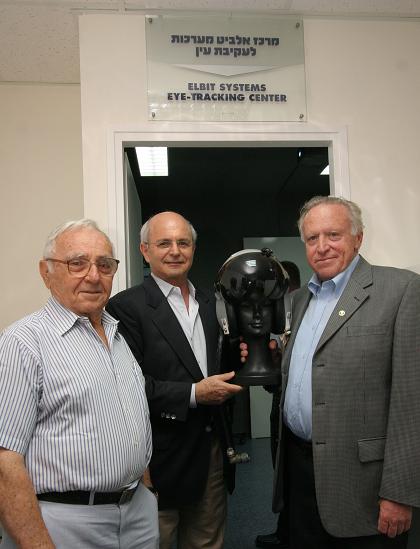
<point>326,170</point>
<point>152,161</point>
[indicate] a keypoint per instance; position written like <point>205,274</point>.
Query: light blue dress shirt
<point>297,413</point>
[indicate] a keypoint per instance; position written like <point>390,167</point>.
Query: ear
<point>143,251</point>
<point>359,240</point>
<point>44,272</point>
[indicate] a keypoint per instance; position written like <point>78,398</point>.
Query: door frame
<point>176,134</point>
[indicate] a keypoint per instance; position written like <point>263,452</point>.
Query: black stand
<point>259,368</point>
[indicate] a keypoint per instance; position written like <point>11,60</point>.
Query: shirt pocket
<point>371,449</point>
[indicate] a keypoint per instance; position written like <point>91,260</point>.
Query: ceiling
<point>39,38</point>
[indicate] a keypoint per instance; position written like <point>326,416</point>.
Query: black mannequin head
<point>252,284</point>
<point>254,315</point>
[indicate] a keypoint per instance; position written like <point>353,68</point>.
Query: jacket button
<point>208,429</point>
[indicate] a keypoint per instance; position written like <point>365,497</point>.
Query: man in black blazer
<point>173,332</point>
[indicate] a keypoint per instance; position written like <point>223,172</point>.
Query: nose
<point>93,273</point>
<point>256,312</point>
<point>323,244</point>
<point>174,249</point>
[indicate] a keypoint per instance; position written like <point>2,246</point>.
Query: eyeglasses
<point>80,267</point>
<point>165,244</point>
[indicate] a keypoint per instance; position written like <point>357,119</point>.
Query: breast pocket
<point>367,330</point>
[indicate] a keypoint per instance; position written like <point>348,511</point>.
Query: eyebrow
<point>82,255</point>
<point>173,239</point>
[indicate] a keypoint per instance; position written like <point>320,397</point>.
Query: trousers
<point>131,525</point>
<point>201,524</point>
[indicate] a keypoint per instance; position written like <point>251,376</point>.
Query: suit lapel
<point>299,302</point>
<point>166,322</point>
<point>352,298</point>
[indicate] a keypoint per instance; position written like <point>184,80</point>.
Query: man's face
<point>330,246</point>
<point>170,249</point>
<point>87,295</point>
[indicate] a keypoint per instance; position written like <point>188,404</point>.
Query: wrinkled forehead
<point>327,215</point>
<point>83,242</point>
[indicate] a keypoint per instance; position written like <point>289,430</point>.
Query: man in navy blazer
<point>172,330</point>
<point>350,405</point>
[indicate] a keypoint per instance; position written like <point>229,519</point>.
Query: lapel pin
<point>341,313</point>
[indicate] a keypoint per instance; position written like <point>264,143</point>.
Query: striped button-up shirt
<point>76,409</point>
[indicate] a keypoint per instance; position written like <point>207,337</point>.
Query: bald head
<point>161,217</point>
<point>167,242</point>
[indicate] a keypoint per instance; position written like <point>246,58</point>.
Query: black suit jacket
<point>181,435</point>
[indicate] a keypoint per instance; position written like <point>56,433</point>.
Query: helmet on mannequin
<point>255,277</point>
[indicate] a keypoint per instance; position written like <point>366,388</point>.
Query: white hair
<point>49,248</point>
<point>354,211</point>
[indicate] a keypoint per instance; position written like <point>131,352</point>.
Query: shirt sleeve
<point>193,402</point>
<point>19,390</point>
<point>401,472</point>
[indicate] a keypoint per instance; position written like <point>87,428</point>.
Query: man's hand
<point>275,351</point>
<point>394,518</point>
<point>215,389</point>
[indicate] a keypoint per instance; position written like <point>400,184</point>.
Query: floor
<point>249,508</point>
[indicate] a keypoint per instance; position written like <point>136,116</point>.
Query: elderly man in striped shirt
<point>75,438</point>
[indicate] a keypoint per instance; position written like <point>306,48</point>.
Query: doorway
<point>228,194</point>
<point>235,197</point>
<point>273,138</point>
<point>218,236</point>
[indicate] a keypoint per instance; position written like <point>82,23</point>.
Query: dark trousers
<point>282,530</point>
<point>306,530</point>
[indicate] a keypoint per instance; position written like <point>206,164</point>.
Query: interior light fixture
<point>153,161</point>
<point>326,170</point>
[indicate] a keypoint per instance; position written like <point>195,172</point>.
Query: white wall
<point>113,95</point>
<point>365,75</point>
<point>40,184</point>
<point>360,74</point>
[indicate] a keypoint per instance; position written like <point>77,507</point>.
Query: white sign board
<point>225,68</point>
